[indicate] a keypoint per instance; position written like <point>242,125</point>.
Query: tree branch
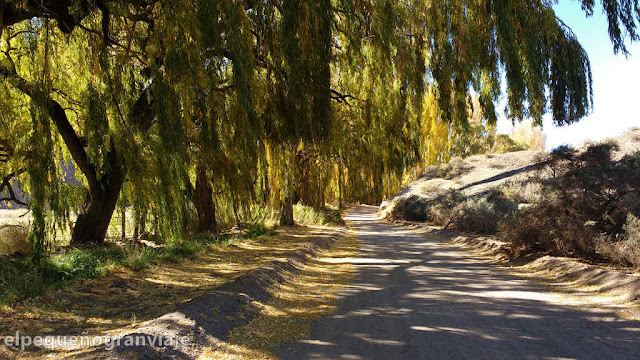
<point>15,12</point>
<point>59,117</point>
<point>343,98</point>
<point>6,183</point>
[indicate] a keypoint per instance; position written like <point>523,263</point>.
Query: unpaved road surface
<point>416,297</point>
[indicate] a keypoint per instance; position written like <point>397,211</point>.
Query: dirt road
<point>417,297</point>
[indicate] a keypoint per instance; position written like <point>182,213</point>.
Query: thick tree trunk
<point>93,221</point>
<point>204,202</point>
<point>104,186</point>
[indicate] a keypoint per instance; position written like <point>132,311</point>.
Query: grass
<point>119,303</point>
<point>20,280</point>
<point>328,216</point>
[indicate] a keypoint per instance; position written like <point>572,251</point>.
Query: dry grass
<point>14,217</point>
<point>296,304</point>
<point>128,297</point>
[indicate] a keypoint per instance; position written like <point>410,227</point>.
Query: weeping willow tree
<point>293,46</point>
<point>175,107</point>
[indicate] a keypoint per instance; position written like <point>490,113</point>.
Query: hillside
<point>579,202</point>
<point>472,176</point>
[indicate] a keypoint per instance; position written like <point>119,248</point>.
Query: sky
<point>616,99</point>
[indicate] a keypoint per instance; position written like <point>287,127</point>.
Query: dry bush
<point>483,214</point>
<point>526,192</point>
<point>478,214</point>
<point>454,168</point>
<point>588,199</point>
<point>413,208</point>
<point>550,227</point>
<point>441,210</point>
<point>627,250</point>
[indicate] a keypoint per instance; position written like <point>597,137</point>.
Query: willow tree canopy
<point>145,91</point>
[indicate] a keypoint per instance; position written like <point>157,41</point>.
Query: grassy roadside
<point>20,280</point>
<point>120,303</point>
<point>126,297</point>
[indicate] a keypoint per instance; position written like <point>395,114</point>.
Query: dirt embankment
<point>611,285</point>
<point>207,319</point>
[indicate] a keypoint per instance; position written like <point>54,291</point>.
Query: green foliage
<point>318,101</point>
<point>76,263</point>
<point>19,279</point>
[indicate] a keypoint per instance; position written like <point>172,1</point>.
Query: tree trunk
<point>93,220</point>
<point>204,202</point>
<point>104,184</point>
<point>234,206</point>
<point>305,187</point>
<point>340,205</point>
<point>123,212</point>
<point>286,210</point>
<point>286,213</point>
<point>141,225</point>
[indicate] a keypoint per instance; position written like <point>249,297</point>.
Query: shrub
<point>583,206</point>
<point>140,258</point>
<point>476,215</point>
<point>441,210</point>
<point>79,263</point>
<point>18,279</point>
<point>412,208</point>
<point>525,192</point>
<point>263,216</point>
<point>551,226</point>
<point>627,250</point>
<point>482,214</point>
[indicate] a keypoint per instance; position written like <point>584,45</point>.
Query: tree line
<point>178,108</point>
